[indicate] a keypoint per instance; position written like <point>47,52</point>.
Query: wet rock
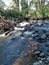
<point>25,54</point>
<point>47,44</point>
<point>42,54</point>
<point>47,59</point>
<point>35,35</point>
<point>30,38</point>
<point>18,52</point>
<point>37,52</point>
<point>33,46</point>
<point>27,33</point>
<point>40,61</point>
<point>47,33</point>
<point>24,23</point>
<point>36,63</point>
<point>47,53</point>
<point>43,36</point>
<point>46,62</point>
<point>19,28</point>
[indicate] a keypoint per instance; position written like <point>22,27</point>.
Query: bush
<point>13,13</point>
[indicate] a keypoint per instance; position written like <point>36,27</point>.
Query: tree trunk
<point>20,7</point>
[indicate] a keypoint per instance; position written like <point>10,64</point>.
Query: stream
<point>11,48</point>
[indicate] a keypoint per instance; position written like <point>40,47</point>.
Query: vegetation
<point>39,10</point>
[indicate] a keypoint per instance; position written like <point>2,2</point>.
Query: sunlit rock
<point>18,29</point>
<point>24,23</point>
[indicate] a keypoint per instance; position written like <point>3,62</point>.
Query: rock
<point>47,33</point>
<point>43,36</point>
<point>24,23</point>
<point>33,45</point>
<point>42,55</point>
<point>30,38</point>
<point>18,52</point>
<point>48,53</point>
<point>48,59</point>
<point>47,44</point>
<point>36,63</point>
<point>18,28</point>
<point>27,33</point>
<point>40,61</point>
<point>39,22</point>
<point>46,62</point>
<point>35,35</point>
<point>25,54</point>
<point>37,52</point>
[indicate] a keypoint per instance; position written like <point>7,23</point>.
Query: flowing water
<point>10,49</point>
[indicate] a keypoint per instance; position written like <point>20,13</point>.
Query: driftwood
<point>3,20</point>
<point>5,25</point>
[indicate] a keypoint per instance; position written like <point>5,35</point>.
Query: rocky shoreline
<point>38,50</point>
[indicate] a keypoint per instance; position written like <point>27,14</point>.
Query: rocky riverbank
<point>8,27</point>
<point>38,49</point>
